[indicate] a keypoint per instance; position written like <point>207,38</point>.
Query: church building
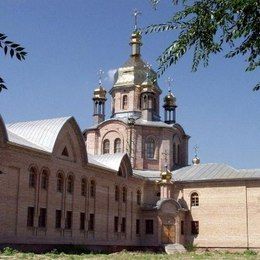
<point>125,182</point>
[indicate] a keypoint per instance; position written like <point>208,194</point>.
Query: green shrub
<point>250,252</point>
<point>190,247</point>
<point>9,251</point>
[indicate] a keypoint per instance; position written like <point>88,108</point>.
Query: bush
<point>9,251</point>
<point>250,252</point>
<point>190,247</point>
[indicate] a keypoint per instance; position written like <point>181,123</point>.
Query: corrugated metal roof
<point>110,161</point>
<point>40,134</point>
<point>204,172</point>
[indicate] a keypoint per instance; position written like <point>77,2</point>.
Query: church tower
<point>99,100</point>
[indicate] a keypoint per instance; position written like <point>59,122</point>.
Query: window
<point>115,224</point>
<point>42,218</point>
<point>106,146</point>
<point>137,227</point>
<point>117,145</point>
<point>68,222</point>
<point>174,152</point>
<point>194,227</point>
<point>65,152</point>
<point>91,222</point>
<point>32,178</point>
<point>58,218</point>
<point>124,194</point>
<point>125,102</point>
<point>70,184</point>
<point>82,221</point>
<point>182,227</point>
<point>60,182</point>
<point>116,193</point>
<point>44,182</point>
<point>178,154</point>
<point>83,187</point>
<point>138,197</point>
<point>123,226</point>
<point>30,216</point>
<point>150,148</point>
<point>194,199</point>
<point>92,189</point>
<point>149,226</point>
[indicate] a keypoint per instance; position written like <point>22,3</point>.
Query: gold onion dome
<point>196,160</point>
<point>100,93</point>
<point>169,100</point>
<point>166,176</point>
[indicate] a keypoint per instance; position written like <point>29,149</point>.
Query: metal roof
<point>110,161</point>
<point>40,134</point>
<point>204,172</point>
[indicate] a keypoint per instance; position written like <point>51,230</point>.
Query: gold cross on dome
<point>135,14</point>
<point>196,149</point>
<point>100,76</point>
<point>169,81</point>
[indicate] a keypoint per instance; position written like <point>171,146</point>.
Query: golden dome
<point>99,93</point>
<point>169,100</point>
<point>196,160</point>
<point>166,176</point>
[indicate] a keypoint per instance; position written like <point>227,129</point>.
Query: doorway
<point>168,234</point>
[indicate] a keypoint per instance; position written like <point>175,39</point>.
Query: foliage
<point>14,50</point>
<point>8,251</point>
<point>190,247</point>
<point>208,25</point>
<point>250,252</point>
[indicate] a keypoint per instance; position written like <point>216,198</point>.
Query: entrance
<point>168,234</point>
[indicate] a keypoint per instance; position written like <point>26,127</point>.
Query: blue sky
<point>69,41</point>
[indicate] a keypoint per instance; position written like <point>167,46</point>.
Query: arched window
<point>117,145</point>
<point>125,102</point>
<point>138,197</point>
<point>124,194</point>
<point>32,177</point>
<point>194,199</point>
<point>174,152</point>
<point>44,180</point>
<point>106,145</point>
<point>60,182</point>
<point>178,154</point>
<point>150,148</point>
<point>116,193</point>
<point>83,187</point>
<point>92,189</point>
<point>70,184</point>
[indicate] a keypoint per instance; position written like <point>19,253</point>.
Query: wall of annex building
<point>16,196</point>
<point>228,213</point>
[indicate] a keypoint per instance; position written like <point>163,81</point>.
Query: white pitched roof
<point>40,134</point>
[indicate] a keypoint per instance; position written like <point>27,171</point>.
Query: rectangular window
<point>123,226</point>
<point>82,221</point>
<point>182,227</point>
<point>30,216</point>
<point>58,219</point>
<point>42,218</point>
<point>149,226</point>
<point>137,227</point>
<point>68,222</point>
<point>194,227</point>
<point>115,224</point>
<point>91,222</point>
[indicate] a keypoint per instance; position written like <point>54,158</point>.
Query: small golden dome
<point>166,176</point>
<point>99,93</point>
<point>169,100</point>
<point>196,160</point>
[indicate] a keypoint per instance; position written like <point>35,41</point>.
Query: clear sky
<point>69,40</point>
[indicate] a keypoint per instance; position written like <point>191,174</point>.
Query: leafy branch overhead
<point>206,26</point>
<point>14,50</point>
